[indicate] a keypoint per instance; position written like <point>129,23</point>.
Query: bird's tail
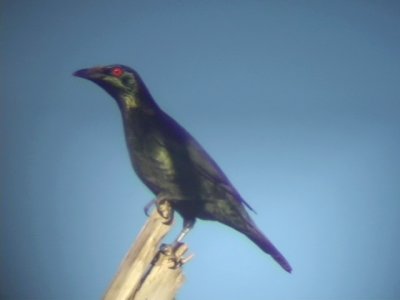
<point>264,243</point>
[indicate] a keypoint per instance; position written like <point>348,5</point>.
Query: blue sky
<point>298,102</point>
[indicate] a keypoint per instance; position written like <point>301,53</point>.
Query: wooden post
<point>146,272</point>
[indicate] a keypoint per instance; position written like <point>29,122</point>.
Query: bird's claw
<point>174,253</point>
<point>163,207</point>
<point>165,210</point>
<point>148,207</point>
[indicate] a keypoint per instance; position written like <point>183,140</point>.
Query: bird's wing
<point>202,161</point>
<point>210,170</point>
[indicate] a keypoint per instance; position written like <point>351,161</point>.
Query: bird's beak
<point>90,74</point>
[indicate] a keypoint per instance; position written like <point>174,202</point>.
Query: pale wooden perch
<point>146,272</point>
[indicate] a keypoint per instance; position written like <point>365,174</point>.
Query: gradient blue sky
<point>298,101</point>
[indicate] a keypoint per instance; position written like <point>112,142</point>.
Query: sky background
<point>298,102</point>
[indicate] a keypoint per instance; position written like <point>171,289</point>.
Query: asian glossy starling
<point>172,163</point>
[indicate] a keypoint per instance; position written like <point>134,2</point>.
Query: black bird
<point>172,163</point>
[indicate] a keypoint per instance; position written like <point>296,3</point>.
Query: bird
<point>172,164</point>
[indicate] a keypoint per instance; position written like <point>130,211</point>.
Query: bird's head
<point>122,83</point>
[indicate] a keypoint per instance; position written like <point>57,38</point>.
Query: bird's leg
<point>187,226</point>
<point>163,208</point>
<point>174,250</point>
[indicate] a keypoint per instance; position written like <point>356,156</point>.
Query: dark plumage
<point>172,163</point>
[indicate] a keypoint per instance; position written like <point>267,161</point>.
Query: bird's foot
<point>174,253</point>
<point>165,210</point>
<point>163,207</point>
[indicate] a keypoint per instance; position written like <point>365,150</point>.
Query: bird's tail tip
<point>264,243</point>
<point>286,266</point>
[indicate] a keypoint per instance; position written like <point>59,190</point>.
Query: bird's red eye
<point>117,72</point>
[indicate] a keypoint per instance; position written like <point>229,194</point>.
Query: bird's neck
<point>140,124</point>
<point>138,101</point>
<point>138,111</point>
<point>128,102</point>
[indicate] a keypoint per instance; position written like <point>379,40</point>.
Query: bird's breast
<point>161,159</point>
